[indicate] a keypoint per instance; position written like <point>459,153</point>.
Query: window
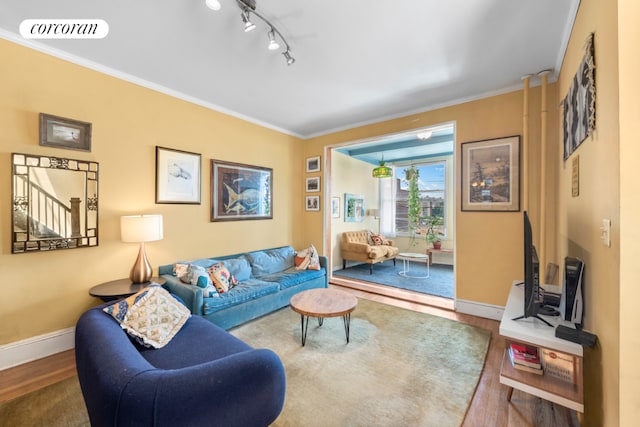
<point>394,196</point>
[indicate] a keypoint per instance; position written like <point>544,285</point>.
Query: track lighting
<point>248,7</point>
<point>213,4</point>
<point>273,44</point>
<point>248,25</point>
<point>288,57</point>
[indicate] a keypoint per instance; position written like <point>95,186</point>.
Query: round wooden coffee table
<point>321,303</point>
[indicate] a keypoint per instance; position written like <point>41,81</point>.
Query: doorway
<point>348,173</point>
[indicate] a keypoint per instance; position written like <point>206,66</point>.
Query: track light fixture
<point>248,7</point>
<point>248,25</point>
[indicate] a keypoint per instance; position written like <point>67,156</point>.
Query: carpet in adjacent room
<point>400,368</point>
<point>439,282</point>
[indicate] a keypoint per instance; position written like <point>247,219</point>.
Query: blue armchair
<point>203,377</point>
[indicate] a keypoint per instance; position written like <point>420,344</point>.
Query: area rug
<point>58,405</point>
<point>400,367</point>
<point>439,282</point>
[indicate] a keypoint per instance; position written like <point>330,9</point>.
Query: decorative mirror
<point>55,203</point>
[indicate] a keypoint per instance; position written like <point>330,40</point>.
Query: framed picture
<point>491,175</point>
<point>60,132</point>
<point>178,176</point>
<point>240,192</point>
<point>313,184</point>
<point>313,164</point>
<point>312,203</point>
<point>335,207</point>
<point>353,208</point>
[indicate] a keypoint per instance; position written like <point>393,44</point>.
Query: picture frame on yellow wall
<point>178,177</point>
<point>313,164</point>
<point>491,175</point>
<point>60,132</point>
<point>312,203</point>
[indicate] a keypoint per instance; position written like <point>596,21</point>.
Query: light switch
<point>605,232</point>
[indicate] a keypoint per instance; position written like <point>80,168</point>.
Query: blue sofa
<point>203,377</point>
<point>267,281</point>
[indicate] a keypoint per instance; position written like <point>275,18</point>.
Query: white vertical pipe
<point>543,169</point>
<point>525,143</point>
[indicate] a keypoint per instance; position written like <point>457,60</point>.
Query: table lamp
<point>141,229</point>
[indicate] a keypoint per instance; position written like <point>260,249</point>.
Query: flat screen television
<point>532,300</point>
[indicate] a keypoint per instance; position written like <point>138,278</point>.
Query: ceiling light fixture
<point>425,135</point>
<point>213,4</point>
<point>248,25</point>
<point>247,8</point>
<point>273,44</point>
<point>382,171</point>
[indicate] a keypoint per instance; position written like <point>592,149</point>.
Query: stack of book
<point>525,358</point>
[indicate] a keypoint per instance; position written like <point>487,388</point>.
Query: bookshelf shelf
<point>533,332</point>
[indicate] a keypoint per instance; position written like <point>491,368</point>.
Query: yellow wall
<point>45,292</point>
<point>579,218</point>
<point>495,237</point>
<point>349,175</point>
<point>629,64</point>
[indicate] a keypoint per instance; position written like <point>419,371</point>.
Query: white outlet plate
<point>605,232</point>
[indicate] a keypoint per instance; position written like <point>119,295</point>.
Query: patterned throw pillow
<point>152,316</point>
<point>379,239</point>
<point>196,275</point>
<point>307,259</point>
<point>222,279</point>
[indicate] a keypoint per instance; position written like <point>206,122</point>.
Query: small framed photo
<point>313,164</point>
<point>178,176</point>
<point>353,208</point>
<point>335,207</point>
<point>313,184</point>
<point>61,132</point>
<point>491,175</point>
<point>312,203</point>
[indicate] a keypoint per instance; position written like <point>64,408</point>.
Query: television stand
<point>531,332</point>
<point>535,317</point>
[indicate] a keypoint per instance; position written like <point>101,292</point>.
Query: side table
<point>120,288</point>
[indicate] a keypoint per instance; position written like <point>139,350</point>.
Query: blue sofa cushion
<point>271,261</point>
<point>293,277</point>
<point>239,267</point>
<point>244,291</point>
<point>181,353</point>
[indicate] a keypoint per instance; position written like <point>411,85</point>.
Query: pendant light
<point>382,171</point>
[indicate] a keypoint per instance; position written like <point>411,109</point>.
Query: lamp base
<point>141,271</point>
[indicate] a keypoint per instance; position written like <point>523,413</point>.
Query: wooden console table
<point>430,252</point>
<point>535,333</point>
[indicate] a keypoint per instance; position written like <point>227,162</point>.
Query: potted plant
<point>432,224</point>
<point>413,202</point>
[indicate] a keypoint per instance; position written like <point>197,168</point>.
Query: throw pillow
<point>196,275</point>
<point>307,259</point>
<point>222,279</point>
<point>379,239</point>
<point>152,316</point>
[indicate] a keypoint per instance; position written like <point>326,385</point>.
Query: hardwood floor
<point>489,406</point>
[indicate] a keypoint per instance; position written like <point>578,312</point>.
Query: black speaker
<point>571,303</point>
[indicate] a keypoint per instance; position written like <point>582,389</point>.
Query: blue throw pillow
<point>239,268</point>
<point>271,261</point>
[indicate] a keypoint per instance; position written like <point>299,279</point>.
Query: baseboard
<point>479,309</point>
<point>27,350</point>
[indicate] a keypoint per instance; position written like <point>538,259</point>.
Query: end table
<point>120,288</point>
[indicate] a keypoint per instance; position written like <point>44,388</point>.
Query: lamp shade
<point>141,228</point>
<point>382,171</point>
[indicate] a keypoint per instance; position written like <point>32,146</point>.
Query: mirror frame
<point>22,240</point>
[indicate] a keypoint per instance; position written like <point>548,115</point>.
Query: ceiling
<point>357,61</point>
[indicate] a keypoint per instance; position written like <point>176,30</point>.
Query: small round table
<point>406,257</point>
<point>120,288</point>
<point>321,303</point>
